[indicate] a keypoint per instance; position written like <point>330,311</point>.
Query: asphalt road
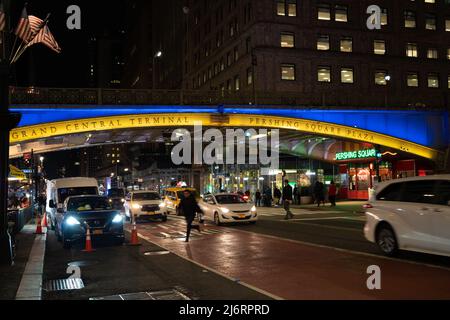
<point>340,227</point>
<point>112,270</point>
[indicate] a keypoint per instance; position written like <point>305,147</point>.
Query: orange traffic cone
<point>38,225</point>
<point>88,241</point>
<point>134,236</point>
<point>44,222</point>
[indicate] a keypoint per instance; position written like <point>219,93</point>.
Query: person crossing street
<point>189,207</point>
<point>287,200</point>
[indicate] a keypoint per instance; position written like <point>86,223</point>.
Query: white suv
<point>410,214</point>
<point>145,204</point>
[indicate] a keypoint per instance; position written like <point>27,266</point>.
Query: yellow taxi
<point>173,198</point>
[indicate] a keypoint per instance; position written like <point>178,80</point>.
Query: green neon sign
<point>354,155</point>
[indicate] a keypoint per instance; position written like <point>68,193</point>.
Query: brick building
<point>321,52</point>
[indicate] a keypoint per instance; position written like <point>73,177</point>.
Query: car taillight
<point>367,206</point>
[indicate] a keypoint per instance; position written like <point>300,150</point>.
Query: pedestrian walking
<point>189,207</point>
<point>287,200</point>
<point>258,198</point>
<point>332,193</point>
<point>268,197</point>
<point>277,196</point>
<point>318,191</point>
<point>296,195</point>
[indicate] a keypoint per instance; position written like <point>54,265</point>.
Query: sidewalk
<point>11,276</point>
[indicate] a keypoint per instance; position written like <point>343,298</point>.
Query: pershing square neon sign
<point>354,155</point>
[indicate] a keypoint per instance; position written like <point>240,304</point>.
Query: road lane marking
<point>30,287</point>
<point>268,294</point>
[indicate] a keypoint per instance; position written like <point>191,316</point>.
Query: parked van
<point>59,190</point>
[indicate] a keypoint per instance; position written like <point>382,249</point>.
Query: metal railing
<point>341,99</point>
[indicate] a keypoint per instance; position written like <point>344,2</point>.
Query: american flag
<point>23,30</point>
<point>36,25</point>
<point>2,18</point>
<point>46,38</point>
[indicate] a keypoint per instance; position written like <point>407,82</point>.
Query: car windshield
<point>116,193</point>
<point>88,204</point>
<point>146,196</point>
<point>230,199</point>
<point>64,193</point>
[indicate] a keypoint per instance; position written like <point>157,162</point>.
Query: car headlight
<point>118,219</point>
<point>137,206</point>
<point>225,210</point>
<point>71,221</point>
<point>253,209</point>
<point>123,200</point>
<point>162,205</point>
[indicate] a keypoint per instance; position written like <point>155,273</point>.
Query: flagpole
<point>15,40</point>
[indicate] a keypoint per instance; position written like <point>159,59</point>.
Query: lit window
<point>287,40</point>
<point>324,12</point>
<point>381,77</point>
<point>411,50</point>
<point>410,19</point>
<point>448,54</point>
<point>430,22</point>
<point>379,47</point>
<point>430,1</point>
<point>433,80</point>
<point>341,14</point>
<point>432,54</point>
<point>237,83</point>
<point>448,81</point>
<point>288,72</point>
<point>412,80</point>
<point>384,17</point>
<point>249,76</point>
<point>346,44</point>
<point>324,74</point>
<point>287,8</point>
<point>347,75</point>
<point>447,25</point>
<point>323,42</point>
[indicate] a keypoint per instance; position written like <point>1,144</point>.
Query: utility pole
<point>8,121</point>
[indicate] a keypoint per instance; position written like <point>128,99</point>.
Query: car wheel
<point>164,218</point>
<point>217,219</point>
<point>387,241</point>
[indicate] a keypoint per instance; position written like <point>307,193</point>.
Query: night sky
<point>43,67</point>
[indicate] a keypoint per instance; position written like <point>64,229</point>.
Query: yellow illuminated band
<point>232,120</point>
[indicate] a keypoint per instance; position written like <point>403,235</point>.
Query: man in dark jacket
<point>287,200</point>
<point>189,207</point>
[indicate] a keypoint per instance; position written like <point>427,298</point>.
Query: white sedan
<point>228,208</point>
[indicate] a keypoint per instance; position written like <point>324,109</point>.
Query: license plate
<point>97,232</point>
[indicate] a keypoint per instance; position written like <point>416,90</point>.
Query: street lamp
<point>156,56</point>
